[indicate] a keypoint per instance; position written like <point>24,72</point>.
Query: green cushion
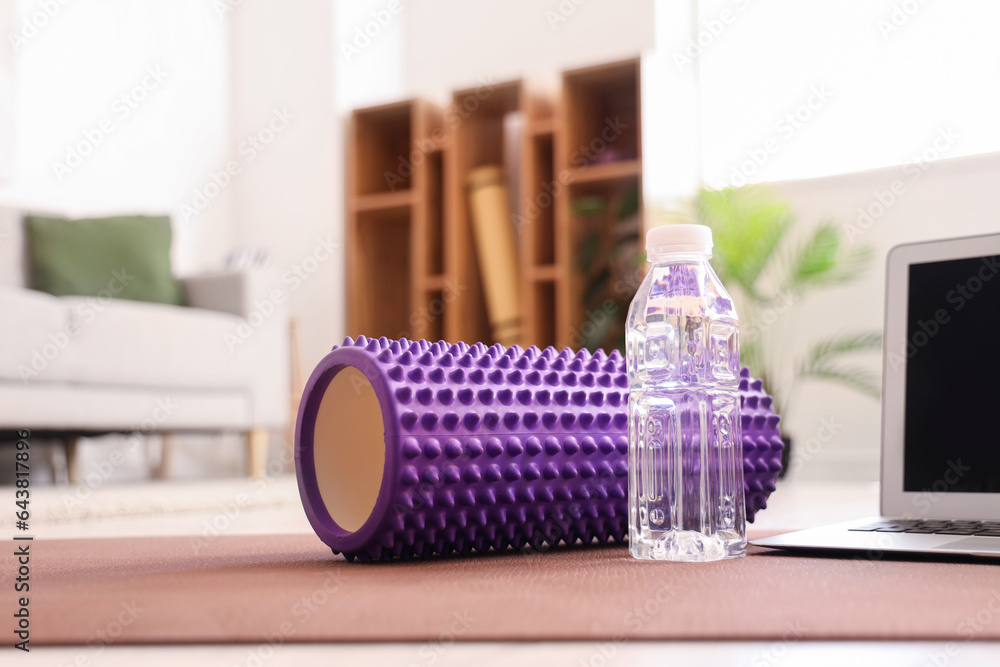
<point>126,257</point>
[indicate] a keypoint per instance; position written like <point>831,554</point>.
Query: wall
<point>287,196</point>
<point>120,106</point>
<point>453,44</point>
<point>7,136</point>
<point>948,198</point>
<point>841,87</point>
<point>368,53</point>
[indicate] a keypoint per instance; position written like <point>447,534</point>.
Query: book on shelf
<point>496,250</point>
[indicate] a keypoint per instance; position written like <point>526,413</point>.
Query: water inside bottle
<point>686,497</point>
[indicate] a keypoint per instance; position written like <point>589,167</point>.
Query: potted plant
<point>765,264</point>
<point>767,270</point>
<point>611,264</point>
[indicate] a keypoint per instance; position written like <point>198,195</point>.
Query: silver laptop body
<point>940,486</point>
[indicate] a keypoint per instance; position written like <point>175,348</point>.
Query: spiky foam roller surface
<point>487,448</point>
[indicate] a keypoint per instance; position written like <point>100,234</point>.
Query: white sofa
<point>80,366</point>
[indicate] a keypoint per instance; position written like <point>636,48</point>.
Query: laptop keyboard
<point>934,527</point>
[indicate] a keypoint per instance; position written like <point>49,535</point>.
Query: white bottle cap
<point>679,238</point>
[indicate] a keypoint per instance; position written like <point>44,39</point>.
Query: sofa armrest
<point>261,340</point>
<point>237,293</point>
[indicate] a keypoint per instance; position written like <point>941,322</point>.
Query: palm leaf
<point>822,260</point>
<point>628,204</point>
<point>748,225</point>
<point>596,286</point>
<point>852,263</point>
<point>820,362</point>
<point>859,379</point>
<point>755,257</point>
<point>597,334</point>
<point>834,346</point>
<point>750,356</point>
<point>589,247</point>
<point>589,206</point>
<point>818,256</point>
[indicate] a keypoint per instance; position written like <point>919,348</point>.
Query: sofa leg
<point>257,453</point>
<point>162,468</point>
<point>69,447</point>
<point>56,462</point>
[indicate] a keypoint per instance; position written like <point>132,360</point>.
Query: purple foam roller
<point>410,448</point>
<point>762,443</point>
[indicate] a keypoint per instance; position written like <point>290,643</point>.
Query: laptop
<point>940,483</point>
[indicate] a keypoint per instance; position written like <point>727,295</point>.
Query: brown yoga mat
<point>290,588</point>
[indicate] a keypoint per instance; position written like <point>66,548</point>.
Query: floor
<point>236,506</point>
<point>272,506</point>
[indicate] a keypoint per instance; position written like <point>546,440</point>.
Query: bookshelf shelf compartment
<point>542,127</point>
<point>600,123</point>
<point>546,273</point>
<point>429,316</point>
<point>436,282</point>
<point>482,138</point>
<point>605,117</point>
<point>382,251</point>
<point>543,314</point>
<point>540,190</point>
<point>433,214</point>
<point>386,134</point>
<point>394,224</point>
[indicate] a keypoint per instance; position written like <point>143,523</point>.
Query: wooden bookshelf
<point>599,145</point>
<point>384,201</point>
<point>395,221</point>
<point>413,269</point>
<point>477,119</point>
<point>542,275</point>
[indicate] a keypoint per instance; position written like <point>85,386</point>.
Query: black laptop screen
<point>952,439</point>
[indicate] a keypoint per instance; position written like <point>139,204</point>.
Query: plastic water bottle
<point>685,450</point>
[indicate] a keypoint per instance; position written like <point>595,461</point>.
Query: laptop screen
<point>952,426</point>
